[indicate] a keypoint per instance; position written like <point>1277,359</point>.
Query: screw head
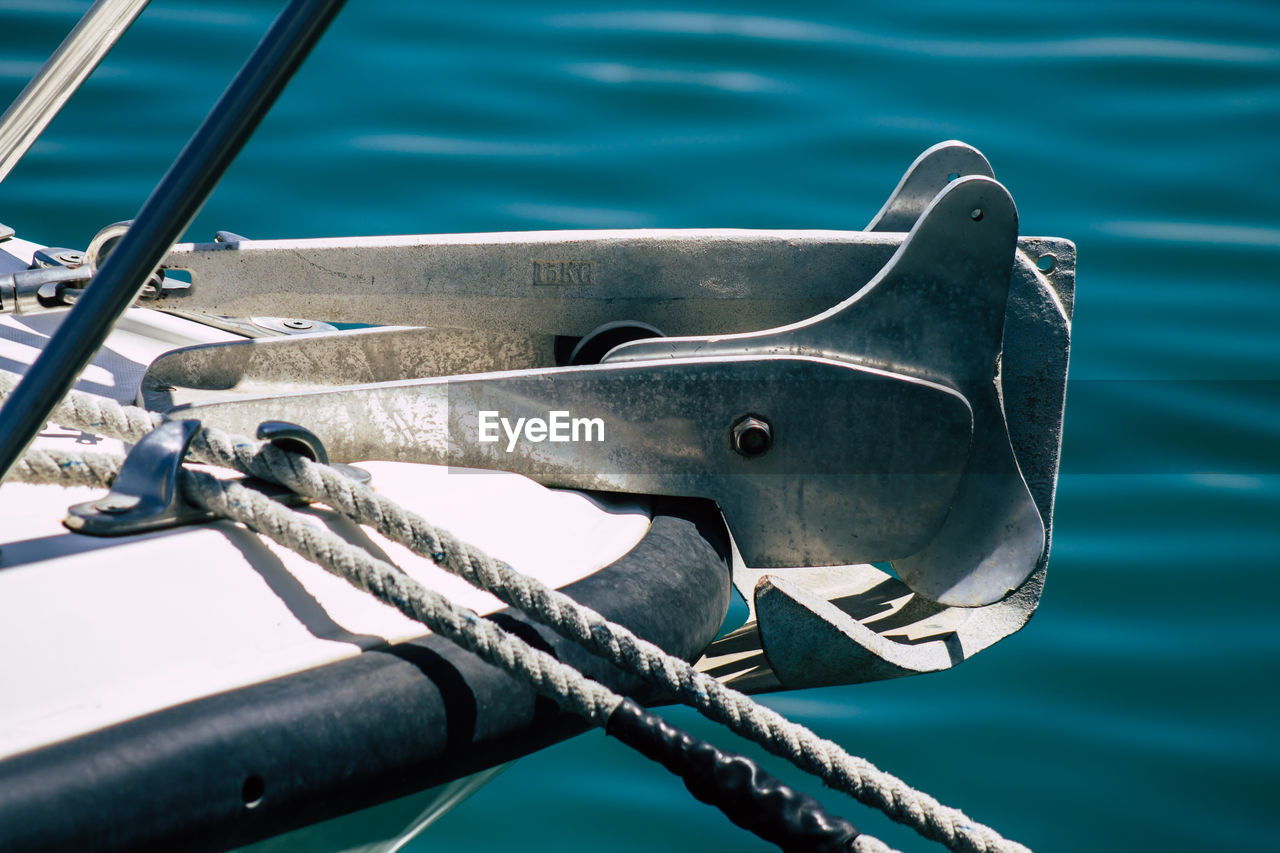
<point>751,435</point>
<point>301,325</point>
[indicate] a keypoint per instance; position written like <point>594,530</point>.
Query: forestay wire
<point>595,702</point>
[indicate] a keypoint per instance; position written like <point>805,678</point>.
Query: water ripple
<point>219,16</point>
<point>1145,134</point>
<point>581,217</point>
<point>808,32</point>
<point>694,23</point>
<point>45,7</point>
<point>728,81</point>
<point>14,69</point>
<point>406,143</point>
<point>1248,236</point>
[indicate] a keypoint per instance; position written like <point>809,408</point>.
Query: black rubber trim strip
<point>747,795</point>
<point>355,733</point>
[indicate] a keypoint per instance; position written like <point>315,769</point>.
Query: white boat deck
<point>98,631</point>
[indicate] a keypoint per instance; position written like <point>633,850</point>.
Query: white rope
<point>65,468</point>
<point>837,768</point>
<point>548,676</point>
<point>229,499</point>
<point>748,718</point>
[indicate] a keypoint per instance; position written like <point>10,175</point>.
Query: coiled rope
<point>823,758</point>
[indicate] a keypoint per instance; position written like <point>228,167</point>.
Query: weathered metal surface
<point>217,371</point>
<point>40,290</point>
<point>938,166</point>
<point>282,365</point>
<point>292,325</point>
<point>553,282</point>
<point>567,282</point>
<point>936,311</point>
<point>384,355</point>
<point>945,311</point>
<point>853,624</point>
<point>869,479</point>
<point>873,627</point>
<point>685,282</point>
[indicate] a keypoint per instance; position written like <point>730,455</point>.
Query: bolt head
<point>751,435</point>
<point>298,324</point>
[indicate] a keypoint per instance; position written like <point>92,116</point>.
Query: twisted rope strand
<point>229,499</point>
<point>823,758</point>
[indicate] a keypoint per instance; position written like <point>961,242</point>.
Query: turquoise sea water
<point>1138,709</point>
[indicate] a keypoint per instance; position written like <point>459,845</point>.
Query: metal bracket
<point>495,289</point>
<point>685,282</point>
<point>853,624</point>
<point>58,277</point>
<point>296,439</point>
<point>938,166</point>
<point>960,304</point>
<point>157,289</point>
<point>871,479</point>
<point>147,494</point>
<point>936,311</point>
<point>41,289</point>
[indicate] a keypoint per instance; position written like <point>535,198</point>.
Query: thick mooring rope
<point>823,758</point>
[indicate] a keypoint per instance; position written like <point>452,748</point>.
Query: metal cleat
<point>147,493</point>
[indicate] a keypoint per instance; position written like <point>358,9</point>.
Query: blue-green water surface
<point>1138,709</point>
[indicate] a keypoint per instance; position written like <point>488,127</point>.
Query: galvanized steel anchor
<point>849,397</point>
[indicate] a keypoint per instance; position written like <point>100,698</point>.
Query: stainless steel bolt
<point>298,324</point>
<point>752,435</point>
